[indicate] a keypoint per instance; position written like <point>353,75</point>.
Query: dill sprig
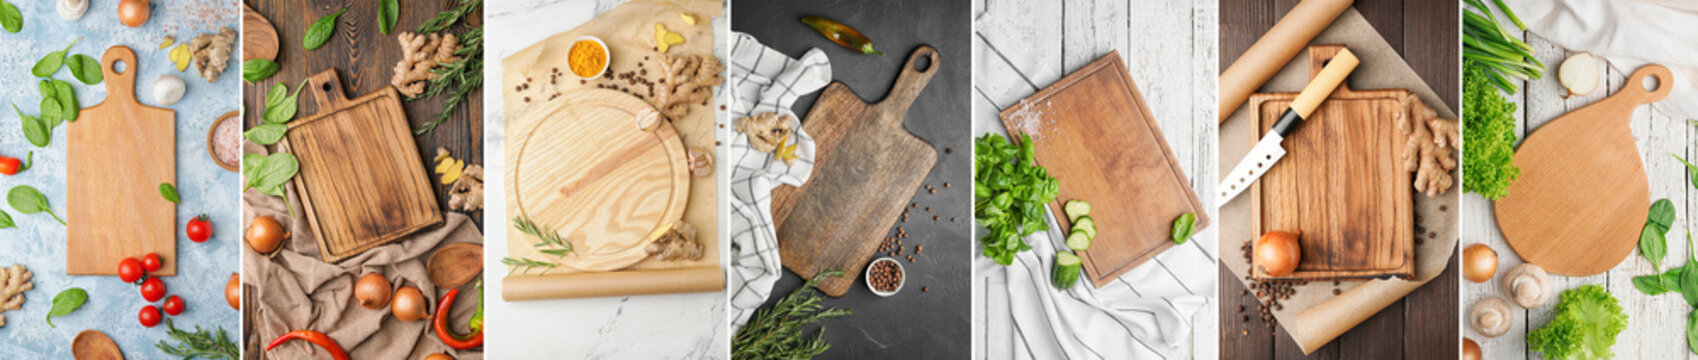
<point>198,344</point>
<point>778,332</point>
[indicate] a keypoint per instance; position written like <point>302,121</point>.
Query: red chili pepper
<point>317,338</point>
<point>11,166</point>
<point>457,341</point>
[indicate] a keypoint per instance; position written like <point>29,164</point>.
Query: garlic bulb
<point>168,89</point>
<point>71,9</point>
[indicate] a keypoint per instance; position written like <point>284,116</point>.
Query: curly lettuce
<point>1586,323</point>
<point>1488,135</point>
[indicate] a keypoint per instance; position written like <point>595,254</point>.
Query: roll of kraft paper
<point>1277,47</point>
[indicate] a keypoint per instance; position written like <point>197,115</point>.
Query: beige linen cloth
<point>297,290</point>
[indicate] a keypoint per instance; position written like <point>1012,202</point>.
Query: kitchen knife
<point>1270,149</point>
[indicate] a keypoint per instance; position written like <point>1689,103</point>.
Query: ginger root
<point>1430,146</point>
<point>14,282</point>
<point>419,55</point>
<point>211,53</point>
<point>686,80</point>
<point>467,192</point>
<point>766,131</point>
<point>676,241</point>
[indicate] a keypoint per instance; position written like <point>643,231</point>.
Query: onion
<point>372,291</point>
<point>265,234</point>
<point>1579,74</point>
<point>1470,349</point>
<point>409,304</point>
<point>1479,263</point>
<point>438,356</point>
<point>1278,253</point>
<point>233,292</point>
<point>133,13</point>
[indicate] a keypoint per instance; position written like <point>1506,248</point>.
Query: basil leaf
<point>66,302</point>
<point>257,70</point>
<point>6,221</point>
<point>50,113</point>
<point>1653,245</point>
<point>10,17</point>
<point>388,12</point>
<point>68,99</point>
<point>320,31</point>
<point>51,63</point>
<point>266,134</point>
<point>1183,227</point>
<point>85,69</point>
<point>278,93</point>
<point>34,129</point>
<point>169,192</point>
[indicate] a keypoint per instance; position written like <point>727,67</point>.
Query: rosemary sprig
<point>777,332</point>
<point>465,75</point>
<point>548,237</point>
<point>549,242</point>
<point>446,19</point>
<point>523,265</point>
<point>198,344</point>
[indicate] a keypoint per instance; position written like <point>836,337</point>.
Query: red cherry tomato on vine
<point>199,229</point>
<point>173,305</point>
<point>149,316</point>
<point>152,289</point>
<point>151,262</point>
<point>130,270</point>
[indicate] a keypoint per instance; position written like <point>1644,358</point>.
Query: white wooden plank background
<point>1170,48</point>
<point>1656,324</point>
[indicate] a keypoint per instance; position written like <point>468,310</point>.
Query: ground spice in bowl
<point>588,58</point>
<point>884,277</point>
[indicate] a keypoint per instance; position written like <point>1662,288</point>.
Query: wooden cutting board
<point>1094,133</point>
<point>867,168</point>
<point>259,38</point>
<point>603,169</point>
<point>361,181</point>
<point>1582,197</point>
<point>1342,183</point>
<point>118,153</point>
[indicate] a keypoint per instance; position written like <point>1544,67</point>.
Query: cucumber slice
<point>1078,240</point>
<point>1086,224</point>
<point>1076,209</point>
<point>1066,271</point>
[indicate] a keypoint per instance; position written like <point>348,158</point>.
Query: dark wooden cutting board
<point>1094,133</point>
<point>867,168</point>
<point>118,153</point>
<point>361,181</point>
<point>1341,183</point>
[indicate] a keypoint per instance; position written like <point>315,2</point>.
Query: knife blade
<point>1271,148</point>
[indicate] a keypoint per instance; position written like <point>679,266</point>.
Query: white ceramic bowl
<point>867,277</point>
<point>606,57</point>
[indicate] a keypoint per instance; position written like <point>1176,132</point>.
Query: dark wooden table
<point>930,318</point>
<point>1422,325</point>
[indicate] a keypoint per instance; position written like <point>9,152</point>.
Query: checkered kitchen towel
<point>764,80</point>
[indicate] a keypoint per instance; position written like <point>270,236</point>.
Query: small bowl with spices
<point>885,277</point>
<point>587,58</point>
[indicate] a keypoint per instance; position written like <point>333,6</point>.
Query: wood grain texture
<point>1426,33</point>
<point>1342,186</point>
<point>1136,190</point>
<point>584,167</point>
<point>867,167</point>
<point>259,38</point>
<point>360,182</point>
<point>1582,197</point>
<point>118,153</point>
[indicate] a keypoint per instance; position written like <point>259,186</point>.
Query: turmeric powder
<point>587,58</point>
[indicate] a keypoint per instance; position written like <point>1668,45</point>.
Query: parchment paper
<point>628,30</point>
<point>1313,316</point>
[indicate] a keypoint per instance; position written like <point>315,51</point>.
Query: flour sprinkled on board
<point>1028,119</point>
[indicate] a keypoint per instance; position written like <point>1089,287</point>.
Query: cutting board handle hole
<point>119,67</point>
<point>326,86</point>
<point>1650,83</point>
<point>923,64</point>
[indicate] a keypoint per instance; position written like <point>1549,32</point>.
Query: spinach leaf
<point>86,69</point>
<point>283,110</point>
<point>34,129</point>
<point>1183,227</point>
<point>278,93</point>
<point>266,134</point>
<point>26,199</point>
<point>1691,171</point>
<point>1657,284</point>
<point>51,63</point>
<point>66,302</point>
<point>1689,274</point>
<point>1692,332</point>
<point>10,17</point>
<point>320,31</point>
<point>68,99</point>
<point>1662,214</point>
<point>6,221</point>
<point>51,113</point>
<point>169,192</point>
<point>388,12</point>
<point>1653,245</point>
<point>257,70</point>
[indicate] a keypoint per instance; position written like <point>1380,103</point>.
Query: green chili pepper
<point>841,34</point>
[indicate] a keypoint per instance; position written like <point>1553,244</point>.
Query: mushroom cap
<point>1528,285</point>
<point>1491,316</point>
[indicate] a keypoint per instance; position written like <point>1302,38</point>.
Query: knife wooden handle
<point>1317,91</point>
<point>1279,45</point>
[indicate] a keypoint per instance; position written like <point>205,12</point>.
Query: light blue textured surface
<point>38,242</point>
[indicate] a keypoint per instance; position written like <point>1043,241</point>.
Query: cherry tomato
<point>11,165</point>
<point>152,289</point>
<point>173,305</point>
<point>130,270</point>
<point>151,262</point>
<point>199,229</point>
<point>149,316</point>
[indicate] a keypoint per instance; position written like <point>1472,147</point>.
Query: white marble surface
<point>1656,325</point>
<point>683,326</point>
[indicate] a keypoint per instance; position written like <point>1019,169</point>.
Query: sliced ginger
<point>664,39</point>
<point>450,168</point>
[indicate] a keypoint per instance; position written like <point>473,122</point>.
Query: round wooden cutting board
<point>587,169</point>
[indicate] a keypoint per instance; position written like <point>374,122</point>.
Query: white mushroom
<point>1491,317</point>
<point>71,9</point>
<point>1528,285</point>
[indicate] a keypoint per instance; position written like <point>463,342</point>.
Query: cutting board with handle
<point>118,153</point>
<point>867,167</point>
<point>1581,200</point>
<point>1342,184</point>
<point>604,170</point>
<point>1093,131</point>
<point>361,180</point>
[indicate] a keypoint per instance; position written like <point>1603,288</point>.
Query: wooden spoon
<point>455,264</point>
<point>259,38</point>
<point>94,345</point>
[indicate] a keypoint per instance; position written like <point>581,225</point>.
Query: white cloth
<point>764,80</point>
<point>1626,33</point>
<point>1131,318</point>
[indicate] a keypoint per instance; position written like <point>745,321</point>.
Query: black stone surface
<point>913,324</point>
